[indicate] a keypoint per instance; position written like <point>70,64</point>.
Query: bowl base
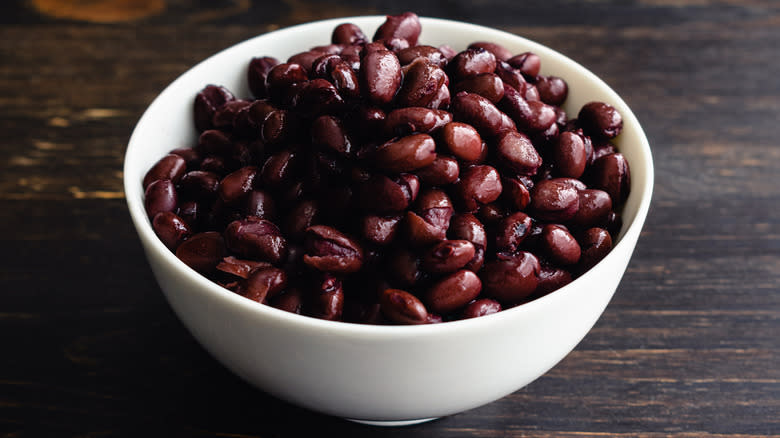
<point>392,423</point>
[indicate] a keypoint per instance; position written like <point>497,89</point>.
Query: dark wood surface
<point>688,346</point>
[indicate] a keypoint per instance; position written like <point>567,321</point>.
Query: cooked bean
<point>432,54</point>
<point>406,154</point>
<point>600,120</point>
<point>257,73</point>
<point>481,307</point>
<point>515,151</point>
<point>569,155</point>
<point>472,62</point>
<point>467,227</point>
<point>380,73</point>
<point>611,174</point>
<point>405,121</point>
<point>448,256</point>
<point>170,167</point>
<point>511,231</point>
<point>500,52</point>
<point>380,230</point>
<point>207,102</point>
<point>240,267</point>
<point>480,113</point>
<point>262,283</point>
<point>529,63</point>
<point>552,90</point>
<point>462,140</point>
<point>511,278</point>
<point>478,185</point>
<point>327,298</point>
<point>402,307</point>
<point>559,245</point>
<point>171,229</point>
<point>348,33</point>
<point>256,238</point>
<point>202,252</point>
<point>329,250</point>
<point>160,196</point>
<point>596,244</point>
<point>453,291</point>
<point>404,26</point>
<point>595,207</point>
<point>430,222</point>
<point>554,200</point>
<point>235,186</point>
<point>528,115</point>
<point>421,82</point>
<point>444,170</point>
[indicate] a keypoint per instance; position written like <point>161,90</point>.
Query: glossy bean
<point>481,113</point>
<point>160,196</point>
<point>569,155</point>
<point>447,256</point>
<point>402,307</point>
<point>552,90</point>
<point>554,200</point>
<point>481,307</point>
<point>207,102</point>
<point>515,151</point>
<point>462,140</point>
<point>405,121</point>
<point>559,245</point>
<point>329,250</point>
<point>595,207</point>
<point>256,238</point>
<point>235,186</point>
<point>444,170</point>
<point>595,244</point>
<point>262,283</point>
<point>471,62</point>
<point>511,231</point>
<point>429,223</point>
<point>171,229</point>
<point>406,154</point>
<point>500,52</point>
<point>467,227</point>
<point>600,120</point>
<point>380,230</point>
<point>529,63</point>
<point>326,298</point>
<point>453,292</point>
<point>511,278</point>
<point>487,85</point>
<point>348,33</point>
<point>257,73</point>
<point>432,54</point>
<point>170,167</point>
<point>203,251</point>
<point>611,174</point>
<point>380,76</point>
<point>478,185</point>
<point>404,26</point>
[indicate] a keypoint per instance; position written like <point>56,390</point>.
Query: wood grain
<point>688,347</point>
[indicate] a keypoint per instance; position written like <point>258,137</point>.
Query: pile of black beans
<point>388,182</point>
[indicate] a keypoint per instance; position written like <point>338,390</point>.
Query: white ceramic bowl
<point>382,374</point>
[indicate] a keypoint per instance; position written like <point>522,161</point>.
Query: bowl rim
<point>356,330</point>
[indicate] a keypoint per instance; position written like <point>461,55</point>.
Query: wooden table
<point>688,346</point>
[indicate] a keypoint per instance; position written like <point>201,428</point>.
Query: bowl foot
<point>392,423</point>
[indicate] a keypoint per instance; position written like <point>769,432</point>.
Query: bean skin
<point>430,222</point>
<point>528,115</point>
<point>421,82</point>
<point>481,307</point>
<point>500,52</point>
<point>448,256</point>
<point>207,102</point>
<point>263,283</point>
<point>515,150</point>
<point>481,113</point>
<point>511,231</point>
<point>529,63</point>
<point>235,186</point>
<point>404,268</point>
<point>515,193</point>
<point>554,200</point>
<point>406,154</point>
<point>467,227</point>
<point>380,230</point>
<point>432,54</point>
<point>596,244</point>
<point>611,174</point>
<point>595,207</point>
<point>327,298</point>
<point>511,279</point>
<point>402,307</point>
<point>552,90</point>
<point>453,292</point>
<point>404,26</point>
<point>478,185</point>
<point>600,120</point>
<point>171,229</point>
<point>290,300</point>
<point>487,85</point>
<point>560,245</point>
<point>240,268</point>
<point>203,251</point>
<point>380,76</point>
<point>160,196</point>
<point>405,121</point>
<point>550,279</point>
<point>256,238</point>
<point>257,73</point>
<point>472,62</point>
<point>569,155</point>
<point>348,33</point>
<point>444,170</point>
<point>329,250</point>
<point>171,167</point>
<point>462,140</point>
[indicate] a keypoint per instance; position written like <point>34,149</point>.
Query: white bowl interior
<point>167,124</point>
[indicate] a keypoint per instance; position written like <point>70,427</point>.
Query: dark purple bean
<point>202,252</point>
<point>302,216</point>
<point>348,33</point>
<point>239,267</point>
<point>529,115</point>
<point>453,292</point>
<point>600,120</point>
<point>550,279</point>
<point>278,127</point>
<point>405,121</point>
<point>199,185</point>
<point>263,283</point>
<point>279,169</point>
<point>559,245</point>
<point>306,59</point>
<point>326,298</point>
<point>328,132</point>
<point>281,77</point>
<point>214,142</point>
<point>256,238</point>
<point>207,102</point>
<point>510,76</point>
<point>447,51</point>
<point>467,227</point>
<point>444,170</point>
<point>442,99</point>
<point>171,229</point>
<point>402,307</point>
<point>569,155</point>
<point>380,76</point>
<point>511,231</point>
<point>160,196</point>
<point>383,195</point>
<point>511,278</point>
<point>448,256</point>
<point>515,151</point>
<point>290,300</point>
<point>380,230</point>
<point>515,193</point>
<point>613,223</point>
<point>226,117</point>
<point>487,85</point>
<point>478,185</point>
<point>421,82</point>
<point>594,210</point>
<point>500,52</point>
<point>260,203</point>
<point>491,213</point>
<point>611,174</point>
<point>602,149</point>
<point>481,307</point>
<point>595,244</point>
<point>334,69</point>
<point>471,62</point>
<point>235,186</point>
<point>406,154</point>
<point>193,213</point>
<point>528,63</point>
<point>430,222</point>
<point>480,113</point>
<point>317,97</point>
<point>190,155</point>
<point>170,167</point>
<point>404,26</point>
<point>554,200</point>
<point>552,90</point>
<point>462,140</point>
<point>257,73</point>
<point>432,54</point>
<point>329,250</point>
<point>404,268</point>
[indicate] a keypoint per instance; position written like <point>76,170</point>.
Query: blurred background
<point>688,346</point>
